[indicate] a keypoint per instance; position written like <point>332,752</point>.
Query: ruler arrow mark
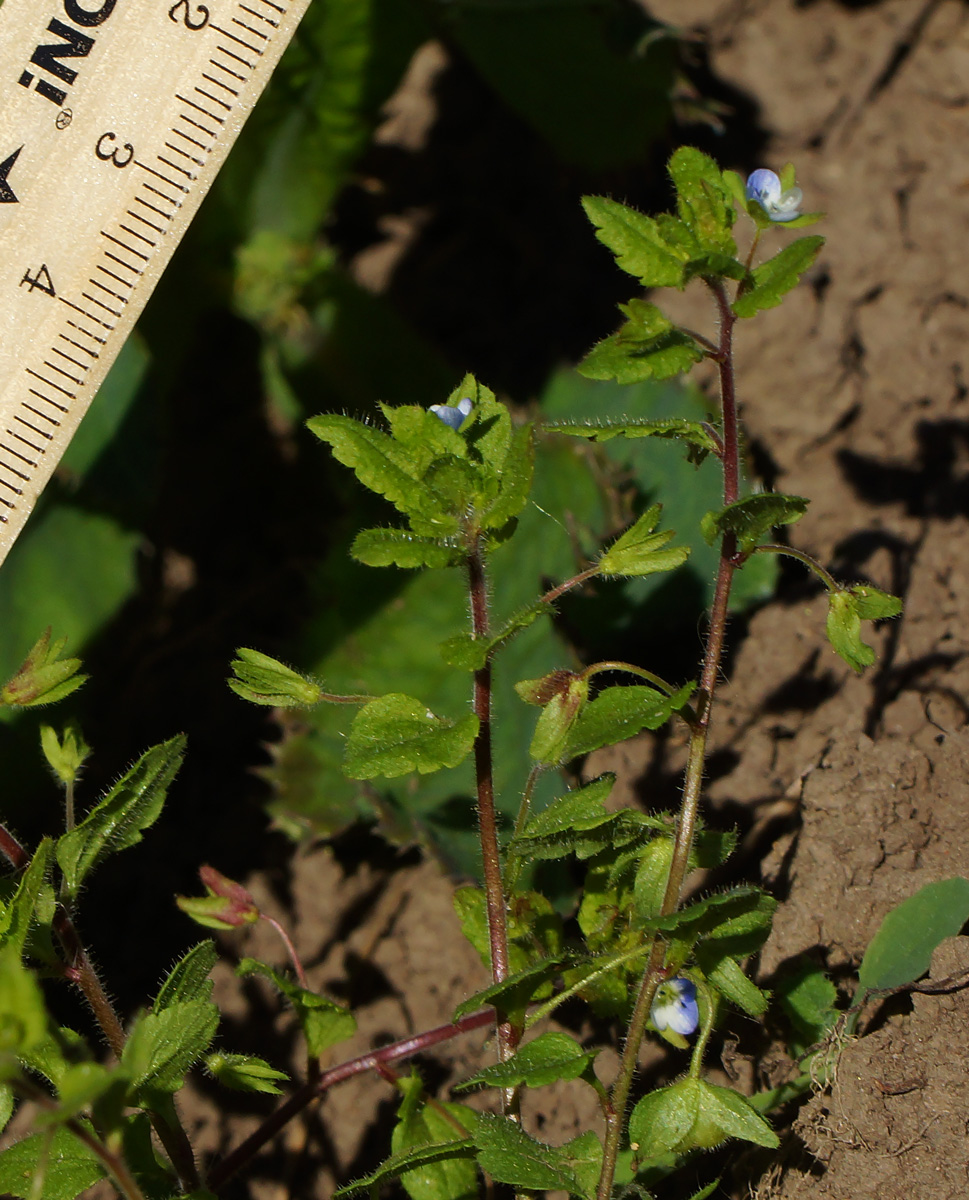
<point>6,191</point>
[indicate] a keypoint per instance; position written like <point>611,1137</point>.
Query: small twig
<point>313,1090</point>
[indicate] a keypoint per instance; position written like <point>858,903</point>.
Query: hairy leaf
<point>703,199</point>
<point>323,1021</point>
<point>189,978</point>
<point>618,713</point>
<point>647,346</point>
<point>396,734</point>
<point>117,822</point>
<point>246,1073</point>
<point>400,548</point>
<point>640,551</point>
<point>772,280</point>
<point>544,1060</point>
<point>752,518</point>
<point>636,241</point>
<point>163,1046</point>
<point>63,1165</point>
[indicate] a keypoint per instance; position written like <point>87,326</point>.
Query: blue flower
<point>765,187</point>
<point>675,1007</point>
<point>452,415</point>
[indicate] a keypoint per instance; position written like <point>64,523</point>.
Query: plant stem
<point>693,776</point>
<point>290,950</point>
<point>487,816</point>
<point>80,971</point>
<point>809,561</point>
<point>313,1090</point>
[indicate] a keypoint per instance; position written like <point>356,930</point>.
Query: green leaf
<point>323,1021</point>
<point>246,1073</point>
<point>727,977</point>
<point>471,653</point>
<point>515,475</point>
<point>117,822</point>
<point>647,346</point>
<point>694,1115</point>
<point>23,1017</point>
<point>703,199</point>
<point>652,874</point>
<point>807,997</point>
<point>731,918</point>
<point>20,910</point>
<point>396,734</point>
<point>544,1060</point>
<point>421,1125</point>
<point>637,242</point>
<point>189,978</point>
<point>772,280</point>
<point>43,677</point>
<point>400,548</point>
<point>388,468</point>
<point>618,713</point>
<point>66,755</point>
<point>901,951</point>
<point>66,1166</point>
<point>420,1158</point>
<point>163,1046</point>
<point>263,680</point>
<point>513,995</point>
<point>640,551</point>
<point>557,719</point>
<point>847,607</point>
<point>752,518</point>
<point>696,434</point>
<point>873,605</point>
<point>509,1155</point>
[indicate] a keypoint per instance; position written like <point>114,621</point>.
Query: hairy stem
<point>313,1090</point>
<point>809,561</point>
<point>487,815</point>
<point>693,776</point>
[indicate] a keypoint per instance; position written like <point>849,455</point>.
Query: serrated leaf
<point>65,1164</point>
<point>728,917</point>
<point>19,911</point>
<point>323,1021</point>
<point>618,713</point>
<point>395,734</point>
<point>753,518</point>
<point>117,822</point>
<point>43,677</point>
<point>549,1057</point>
<point>163,1046</point>
<point>637,242</point>
<point>647,346</point>
<point>263,680</point>
<point>694,433</point>
<point>901,951</point>
<point>772,280</point>
<point>400,548</point>
<point>388,468</point>
<point>640,551</point>
<point>246,1073</point>
<point>513,995</point>
<point>189,978</point>
<point>703,199</point>
<point>471,653</point>
<point>515,476</point>
<point>510,1156</point>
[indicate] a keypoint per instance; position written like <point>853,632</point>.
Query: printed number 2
<point>41,280</point>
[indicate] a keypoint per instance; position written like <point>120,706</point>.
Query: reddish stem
<point>406,1048</point>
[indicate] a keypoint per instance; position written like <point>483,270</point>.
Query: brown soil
<point>851,792</point>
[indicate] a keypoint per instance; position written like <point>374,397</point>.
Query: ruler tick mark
<point>121,263</point>
<point>107,291</point>
<point>192,104</point>
<point>249,29</point>
<point>77,345</point>
<point>39,432</point>
<point>154,209</point>
<point>232,38</point>
<point>259,17</point>
<point>60,371</point>
<point>80,366</point>
<point>56,386</point>
<point>23,458</point>
<point>140,236</point>
<point>185,154</point>
<point>100,305</point>
<point>195,142</point>
<point>43,416</point>
<point>214,99</point>
<point>175,167</point>
<point>125,246</point>
<point>236,57</point>
<point>228,71</point>
<point>218,83</point>
<point>47,399</point>
<point>158,175</point>
<point>157,228</point>
<point>158,192</point>
<point>123,282</point>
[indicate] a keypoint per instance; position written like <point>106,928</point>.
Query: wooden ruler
<point>115,116</point>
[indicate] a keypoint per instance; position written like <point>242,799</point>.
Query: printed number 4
<point>41,280</point>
